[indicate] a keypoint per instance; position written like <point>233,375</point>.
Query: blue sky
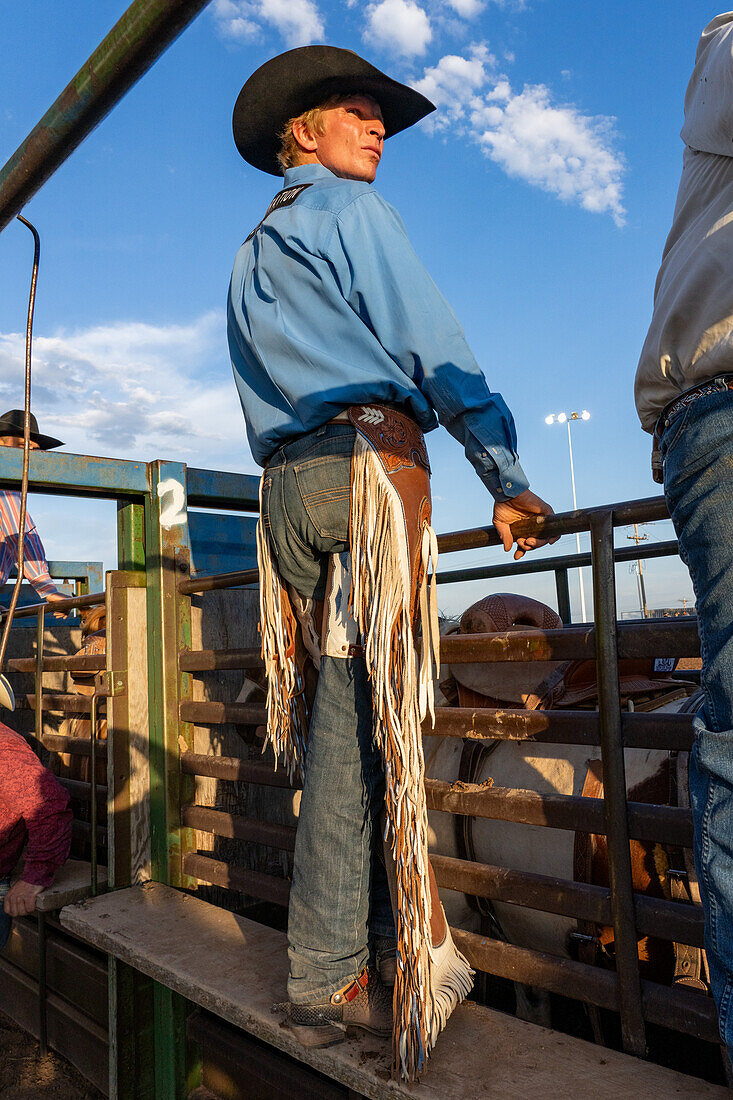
<point>539,197</point>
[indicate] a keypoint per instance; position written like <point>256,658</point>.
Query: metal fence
<point>637,1000</point>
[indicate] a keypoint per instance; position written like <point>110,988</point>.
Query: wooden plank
<point>139,741</point>
<point>71,884</point>
<point>237,969</point>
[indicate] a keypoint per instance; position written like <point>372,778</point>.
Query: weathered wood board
<point>236,969</point>
<point>71,884</point>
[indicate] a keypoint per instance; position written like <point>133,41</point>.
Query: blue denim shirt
<point>329,306</point>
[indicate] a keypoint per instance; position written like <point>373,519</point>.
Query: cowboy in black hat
<point>344,352</point>
<point>35,566</point>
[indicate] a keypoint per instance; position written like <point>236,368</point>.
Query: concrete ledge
<point>72,884</point>
<point>237,969</point>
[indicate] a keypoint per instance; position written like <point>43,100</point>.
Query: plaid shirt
<point>35,567</point>
<point>34,812</point>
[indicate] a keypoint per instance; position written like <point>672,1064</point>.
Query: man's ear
<point>304,137</point>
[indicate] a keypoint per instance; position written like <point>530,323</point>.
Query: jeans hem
<point>324,993</point>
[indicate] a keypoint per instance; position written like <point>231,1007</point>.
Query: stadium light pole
<point>565,418</point>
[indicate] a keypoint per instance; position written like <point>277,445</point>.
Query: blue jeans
<point>5,921</point>
<point>339,895</point>
<point>697,449</point>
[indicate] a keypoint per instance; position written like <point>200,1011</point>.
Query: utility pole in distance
<point>637,538</point>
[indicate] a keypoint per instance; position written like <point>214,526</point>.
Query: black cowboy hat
<point>293,82</point>
<point>11,423</point>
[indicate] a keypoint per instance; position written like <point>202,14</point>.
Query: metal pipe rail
<point>138,38</point>
<point>59,702</point>
<point>654,638</point>
<point>82,791</point>
<point>85,662</point>
<point>682,1010</point>
<point>216,581</point>
<point>211,660</point>
<point>655,917</point>
<point>233,769</point>
<point>25,612</point>
<point>555,811</point>
<point>563,523</point>
<point>217,873</point>
<point>562,727</point>
<point>237,827</point>
<point>667,824</point>
<point>75,746</point>
<point>216,714</point>
<point>558,563</point>
<point>554,727</point>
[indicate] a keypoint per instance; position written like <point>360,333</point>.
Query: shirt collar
<point>306,173</point>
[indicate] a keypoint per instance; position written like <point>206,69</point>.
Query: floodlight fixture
<point>565,418</point>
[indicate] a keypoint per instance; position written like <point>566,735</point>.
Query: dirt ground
<point>25,1076</point>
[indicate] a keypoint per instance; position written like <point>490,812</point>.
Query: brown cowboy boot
<point>364,1002</point>
<point>385,957</point>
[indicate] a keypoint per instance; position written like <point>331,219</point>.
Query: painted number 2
<point>172,509</point>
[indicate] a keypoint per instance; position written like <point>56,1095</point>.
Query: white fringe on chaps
<point>287,720</point>
<point>431,979</point>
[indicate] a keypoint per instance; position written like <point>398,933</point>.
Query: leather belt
<point>672,411</point>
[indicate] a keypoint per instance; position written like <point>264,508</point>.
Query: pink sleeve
<point>47,816</point>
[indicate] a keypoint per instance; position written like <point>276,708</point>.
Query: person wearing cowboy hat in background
<point>35,567</point>
<point>330,310</point>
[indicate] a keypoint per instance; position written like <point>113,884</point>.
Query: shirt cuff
<point>44,586</point>
<point>507,483</point>
<point>39,874</point>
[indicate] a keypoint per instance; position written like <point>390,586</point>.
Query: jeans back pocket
<point>324,484</point>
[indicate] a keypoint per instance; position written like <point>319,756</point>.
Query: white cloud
<point>399,26</point>
<point>467,8</point>
<point>552,146</point>
<point>454,85</point>
<point>236,19</point>
<point>298,21</point>
<point>133,390</point>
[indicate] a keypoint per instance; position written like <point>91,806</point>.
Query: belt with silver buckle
<point>672,411</point>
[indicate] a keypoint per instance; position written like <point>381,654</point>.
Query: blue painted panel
<point>218,489</point>
<point>74,475</point>
<point>221,544</point>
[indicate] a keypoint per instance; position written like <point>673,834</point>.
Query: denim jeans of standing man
<point>697,450</point>
<point>339,899</point>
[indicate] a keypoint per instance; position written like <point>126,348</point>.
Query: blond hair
<point>290,151</point>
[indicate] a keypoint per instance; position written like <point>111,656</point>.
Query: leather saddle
<point>543,685</point>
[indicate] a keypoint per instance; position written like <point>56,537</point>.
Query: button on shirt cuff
<point>508,483</point>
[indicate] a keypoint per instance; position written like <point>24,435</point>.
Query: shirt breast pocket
<point>324,484</point>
